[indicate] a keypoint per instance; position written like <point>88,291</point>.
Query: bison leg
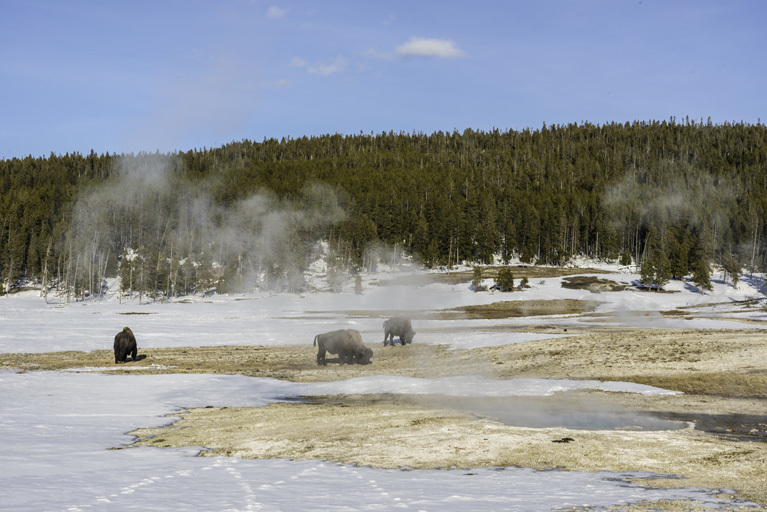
<point>134,353</point>
<point>347,357</point>
<point>321,357</point>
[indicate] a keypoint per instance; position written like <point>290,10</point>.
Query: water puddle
<point>595,412</point>
<point>735,427</point>
<point>574,412</point>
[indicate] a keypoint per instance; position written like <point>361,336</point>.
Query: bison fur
<point>400,327</point>
<point>347,343</point>
<point>125,343</point>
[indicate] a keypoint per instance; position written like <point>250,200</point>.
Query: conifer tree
<point>701,276</point>
<point>625,258</point>
<point>541,194</point>
<point>204,275</point>
<point>655,271</point>
<point>679,259</point>
<point>505,280</point>
<point>732,268</point>
<point>476,280</point>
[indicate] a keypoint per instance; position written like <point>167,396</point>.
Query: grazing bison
<point>347,343</point>
<point>125,343</point>
<point>398,326</point>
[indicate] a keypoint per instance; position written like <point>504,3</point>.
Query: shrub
<point>505,280</point>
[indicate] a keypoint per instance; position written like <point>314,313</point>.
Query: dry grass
<point>721,372</point>
<point>714,384</point>
<point>394,431</point>
<point>592,283</point>
<point>522,308</point>
<point>465,276</point>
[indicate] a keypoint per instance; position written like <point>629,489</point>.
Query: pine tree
<point>111,266</point>
<point>459,196</point>
<point>476,281</point>
<point>431,257</point>
<point>679,259</point>
<point>732,268</point>
<point>505,280</point>
<point>205,280</point>
<point>655,272</point>
<point>126,274</point>
<point>625,258</point>
<point>700,275</point>
<point>188,275</point>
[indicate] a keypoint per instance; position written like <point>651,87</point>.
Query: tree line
<point>670,196</point>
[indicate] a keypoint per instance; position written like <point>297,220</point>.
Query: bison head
<point>364,355</point>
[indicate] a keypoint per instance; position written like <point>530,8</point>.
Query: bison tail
<point>315,340</point>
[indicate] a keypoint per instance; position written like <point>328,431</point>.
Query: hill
<point>673,197</point>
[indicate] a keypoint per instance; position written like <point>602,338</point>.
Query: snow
<point>58,428</point>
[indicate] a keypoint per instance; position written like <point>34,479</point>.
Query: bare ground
<point>721,373</point>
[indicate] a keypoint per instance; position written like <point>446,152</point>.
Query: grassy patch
<point>520,271</point>
<point>592,283</point>
<point>520,308</point>
<point>731,385</point>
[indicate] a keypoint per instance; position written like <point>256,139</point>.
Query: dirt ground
<point>723,375</point>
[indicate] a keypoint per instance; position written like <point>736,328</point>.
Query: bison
<point>125,343</point>
<point>398,326</point>
<point>347,343</point>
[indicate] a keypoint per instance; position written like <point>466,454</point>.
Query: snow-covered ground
<point>31,325</point>
<point>58,427</point>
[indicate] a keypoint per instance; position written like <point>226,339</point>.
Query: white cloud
<point>298,63</point>
<point>378,55</point>
<point>321,68</point>
<point>423,47</point>
<point>275,12</point>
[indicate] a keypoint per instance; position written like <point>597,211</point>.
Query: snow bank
<point>57,429</point>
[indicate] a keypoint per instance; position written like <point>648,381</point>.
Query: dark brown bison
<point>125,343</point>
<point>347,343</point>
<point>400,327</point>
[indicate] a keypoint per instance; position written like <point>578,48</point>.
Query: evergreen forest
<point>671,197</point>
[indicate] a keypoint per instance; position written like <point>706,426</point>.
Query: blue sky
<point>173,75</point>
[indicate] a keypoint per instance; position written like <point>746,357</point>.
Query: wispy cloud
<point>274,13</point>
<point>321,68</point>
<point>433,48</point>
<point>373,53</point>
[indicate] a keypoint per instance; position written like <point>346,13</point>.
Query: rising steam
<point>679,198</point>
<point>151,207</point>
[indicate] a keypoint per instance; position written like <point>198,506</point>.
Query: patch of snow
<point>58,427</point>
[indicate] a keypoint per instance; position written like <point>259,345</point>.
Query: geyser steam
<point>166,219</point>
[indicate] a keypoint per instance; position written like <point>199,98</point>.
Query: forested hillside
<point>675,197</point>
